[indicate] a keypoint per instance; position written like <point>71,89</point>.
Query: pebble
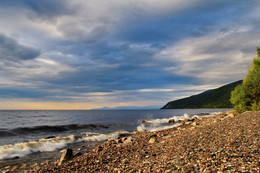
<point>124,161</point>
<point>14,168</point>
<point>152,140</point>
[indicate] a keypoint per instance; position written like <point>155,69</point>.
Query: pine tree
<point>246,96</point>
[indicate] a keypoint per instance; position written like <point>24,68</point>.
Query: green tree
<point>246,96</point>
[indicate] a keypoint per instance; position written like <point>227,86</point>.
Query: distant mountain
<point>127,108</point>
<point>216,98</point>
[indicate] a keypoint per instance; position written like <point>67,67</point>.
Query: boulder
<point>67,155</point>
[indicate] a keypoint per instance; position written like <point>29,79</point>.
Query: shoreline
<point>196,145</point>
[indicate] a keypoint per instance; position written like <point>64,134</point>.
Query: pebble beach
<point>225,142</point>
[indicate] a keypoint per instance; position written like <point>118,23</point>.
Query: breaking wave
<point>163,123</point>
<point>43,145</point>
<point>102,137</point>
<point>154,127</point>
<point>175,118</point>
<point>25,148</point>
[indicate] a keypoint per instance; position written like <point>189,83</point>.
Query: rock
<point>207,171</point>
<point>7,167</point>
<point>193,119</point>
<point>128,140</point>
<point>111,139</point>
<point>171,121</point>
<point>67,155</point>
<point>231,115</point>
<point>152,140</point>
<point>124,161</point>
<point>78,154</point>
<point>154,135</point>
<point>159,134</point>
<point>24,165</point>
<point>194,124</point>
<point>222,167</point>
<point>117,170</point>
<point>14,168</point>
<point>119,141</point>
<point>98,148</point>
<point>121,135</point>
<point>50,137</point>
<point>184,121</point>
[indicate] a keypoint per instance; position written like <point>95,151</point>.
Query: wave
<point>25,148</point>
<point>4,133</point>
<point>163,123</point>
<point>43,145</point>
<point>58,128</point>
<point>143,128</point>
<point>102,137</point>
<point>166,120</point>
<point>176,118</point>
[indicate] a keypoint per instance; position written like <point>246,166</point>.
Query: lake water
<point>25,133</point>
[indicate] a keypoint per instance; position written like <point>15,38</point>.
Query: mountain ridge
<point>127,108</point>
<point>214,98</point>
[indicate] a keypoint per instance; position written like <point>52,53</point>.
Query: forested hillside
<point>216,98</point>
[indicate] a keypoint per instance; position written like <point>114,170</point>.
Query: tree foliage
<point>246,96</point>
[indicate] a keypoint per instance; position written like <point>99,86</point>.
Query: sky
<point>86,54</point>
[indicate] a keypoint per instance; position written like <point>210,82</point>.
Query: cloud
<point>134,51</point>
<point>11,50</point>
<point>87,34</point>
<point>45,9</point>
<point>214,57</point>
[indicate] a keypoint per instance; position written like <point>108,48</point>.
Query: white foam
<point>187,116</point>
<point>89,133</point>
<point>141,128</point>
<point>166,120</point>
<point>157,121</point>
<point>153,128</point>
<point>42,145</point>
<point>25,148</point>
<point>102,137</point>
<point>159,124</point>
<point>175,118</point>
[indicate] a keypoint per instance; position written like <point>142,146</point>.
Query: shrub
<point>246,96</point>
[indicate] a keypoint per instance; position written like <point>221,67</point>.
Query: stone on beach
<point>67,155</point>
<point>171,121</point>
<point>153,139</point>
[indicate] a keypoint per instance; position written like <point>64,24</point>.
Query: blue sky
<point>62,54</point>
